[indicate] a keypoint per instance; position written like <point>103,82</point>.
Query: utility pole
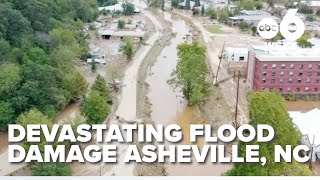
<point>236,123</point>
<point>220,59</point>
<point>311,154</point>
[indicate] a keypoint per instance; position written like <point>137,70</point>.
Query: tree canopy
<point>191,71</point>
<point>268,108</point>
<point>40,41</point>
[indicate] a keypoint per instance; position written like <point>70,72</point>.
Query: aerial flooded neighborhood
<point>162,62</point>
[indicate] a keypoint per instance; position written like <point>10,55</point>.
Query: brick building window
<point>265,66</point>
<point>282,73</point>
<point>307,89</point>
<point>273,80</point>
<point>281,80</point>
<point>301,66</point>
<point>309,73</point>
<point>308,80</point>
<point>318,66</point>
<point>264,73</point>
<point>291,66</point>
<point>318,73</point>
<point>280,89</point>
<point>310,66</point>
<point>289,89</point>
<point>317,80</point>
<point>273,74</point>
<point>283,66</point>
<point>300,74</point>
<point>263,81</point>
<point>297,89</point>
<point>299,81</point>
<point>315,90</point>
<point>291,73</point>
<point>290,81</point>
<point>274,66</point>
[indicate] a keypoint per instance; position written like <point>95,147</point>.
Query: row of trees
<point>269,108</point>
<point>191,73</point>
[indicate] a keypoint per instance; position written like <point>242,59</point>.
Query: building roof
<point>105,32</point>
<point>253,12</point>
<point>308,124</point>
<point>295,53</point>
<point>236,50</point>
<point>117,7</point>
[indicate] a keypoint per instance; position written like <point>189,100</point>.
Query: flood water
<point>3,141</point>
<point>170,107</point>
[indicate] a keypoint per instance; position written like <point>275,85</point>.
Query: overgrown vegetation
<point>269,108</point>
<point>127,48</point>
<point>121,24</point>
<point>191,73</point>
<point>96,107</point>
<point>40,41</point>
<point>102,3</point>
<point>128,9</point>
<point>303,41</point>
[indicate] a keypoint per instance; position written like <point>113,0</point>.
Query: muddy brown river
<point>168,104</point>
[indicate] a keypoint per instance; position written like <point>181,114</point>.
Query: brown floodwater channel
<point>168,104</point>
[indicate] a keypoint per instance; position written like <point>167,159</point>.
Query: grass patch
<point>214,29</point>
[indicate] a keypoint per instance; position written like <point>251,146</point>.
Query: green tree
<point>95,108</point>
<point>13,25</point>
<point>6,115</point>
<point>303,41</point>
<point>258,5</point>
<point>269,108</point>
<point>75,85</point>
<point>223,16</point>
<point>212,13</point>
<point>254,30</point>
<point>102,3</point>
<point>10,78</point>
<point>34,116</point>
<point>175,3</point>
<point>190,74</point>
<point>248,4</point>
<point>121,24</point>
<point>127,48</point>
<point>243,26</point>
<point>303,8</point>
<point>310,18</point>
<point>100,86</point>
<point>128,9</point>
<point>63,57</point>
<point>50,169</point>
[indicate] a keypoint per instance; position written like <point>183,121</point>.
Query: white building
<point>236,54</point>
<point>117,7</point>
<point>309,125</point>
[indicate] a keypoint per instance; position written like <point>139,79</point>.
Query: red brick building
<point>298,74</point>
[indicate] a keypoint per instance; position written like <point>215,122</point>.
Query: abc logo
<point>269,28</point>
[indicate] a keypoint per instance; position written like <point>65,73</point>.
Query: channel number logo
<point>269,28</point>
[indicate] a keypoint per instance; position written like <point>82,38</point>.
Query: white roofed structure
<point>308,124</point>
